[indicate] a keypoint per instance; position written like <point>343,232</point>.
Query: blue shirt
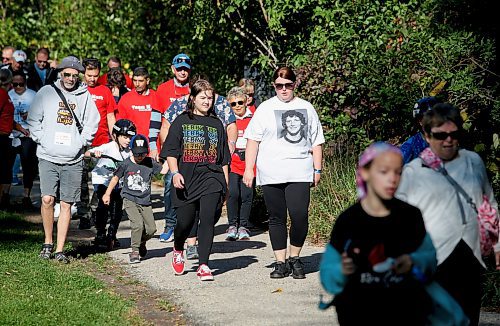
<point>413,147</point>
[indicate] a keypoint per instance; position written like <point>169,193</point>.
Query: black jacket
<point>34,81</point>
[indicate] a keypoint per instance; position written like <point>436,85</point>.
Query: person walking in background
<point>6,127</point>
<point>22,98</point>
<point>445,183</point>
<point>116,83</point>
<point>41,72</point>
<point>63,120</point>
<point>286,170</point>
<point>136,173</point>
<point>414,145</point>
<point>115,63</point>
<point>248,86</point>
<point>197,153</point>
<point>168,92</point>
<point>239,202</point>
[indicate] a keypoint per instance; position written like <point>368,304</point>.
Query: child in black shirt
<point>136,172</point>
<point>371,263</point>
<point>198,156</point>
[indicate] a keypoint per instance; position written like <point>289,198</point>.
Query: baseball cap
<point>139,144</point>
<point>181,60</point>
<point>423,105</point>
<point>71,62</point>
<point>19,56</point>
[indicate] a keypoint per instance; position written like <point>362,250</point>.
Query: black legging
<point>29,161</point>
<point>5,158</point>
<point>239,203</point>
<point>294,197</point>
<point>114,211</point>
<point>460,276</point>
<point>186,215</point>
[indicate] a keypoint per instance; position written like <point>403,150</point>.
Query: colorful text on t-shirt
<point>200,143</point>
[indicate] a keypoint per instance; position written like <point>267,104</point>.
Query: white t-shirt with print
<point>283,156</point>
<point>105,167</point>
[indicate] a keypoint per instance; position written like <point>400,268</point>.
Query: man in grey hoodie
<point>62,131</point>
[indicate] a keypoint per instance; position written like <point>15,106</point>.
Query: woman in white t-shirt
<point>287,135</point>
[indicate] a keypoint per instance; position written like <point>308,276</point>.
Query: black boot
<point>296,267</point>
<point>280,270</point>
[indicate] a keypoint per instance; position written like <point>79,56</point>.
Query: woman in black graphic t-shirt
<point>198,156</point>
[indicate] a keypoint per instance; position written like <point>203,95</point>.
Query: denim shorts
<point>63,181</point>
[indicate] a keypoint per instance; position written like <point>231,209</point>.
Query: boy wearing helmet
<point>110,155</point>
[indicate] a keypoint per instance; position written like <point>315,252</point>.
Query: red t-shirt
<point>7,113</point>
<point>137,108</point>
<point>237,165</point>
<point>103,80</point>
<point>105,103</point>
<point>169,92</point>
<point>252,108</point>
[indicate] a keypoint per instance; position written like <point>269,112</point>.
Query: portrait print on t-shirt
<point>200,143</point>
<point>136,182</point>
<point>291,127</point>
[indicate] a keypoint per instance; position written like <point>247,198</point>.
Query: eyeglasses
<point>444,135</point>
<point>288,86</point>
<point>42,61</point>
<point>68,75</point>
<point>18,84</point>
<point>180,60</point>
<point>233,104</point>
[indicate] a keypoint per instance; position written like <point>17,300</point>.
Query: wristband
<point>174,173</point>
<point>317,171</point>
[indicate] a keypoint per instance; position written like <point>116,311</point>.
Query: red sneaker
<point>178,261</point>
<point>204,273</point>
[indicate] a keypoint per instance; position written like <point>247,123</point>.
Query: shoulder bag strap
<point>61,95</point>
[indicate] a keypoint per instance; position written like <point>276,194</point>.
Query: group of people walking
<point>407,252</point>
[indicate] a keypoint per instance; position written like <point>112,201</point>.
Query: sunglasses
<point>233,104</point>
<point>444,135</point>
<point>250,94</point>
<point>5,59</point>
<point>18,84</point>
<point>288,86</point>
<point>180,60</point>
<point>42,61</point>
<point>68,75</point>
<point>139,154</point>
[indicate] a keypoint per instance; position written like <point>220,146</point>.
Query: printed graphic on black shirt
<point>200,143</point>
<point>292,126</point>
<point>136,182</point>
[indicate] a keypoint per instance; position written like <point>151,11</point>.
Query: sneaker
<point>46,251</point>
<point>61,257</point>
<point>243,233</point>
<point>143,251</point>
<point>167,235</point>
<point>134,257</point>
<point>231,233</point>
<point>178,262</point>
<point>192,252</point>
<point>280,270</point>
<point>100,239</point>
<point>296,268</point>
<point>204,273</point>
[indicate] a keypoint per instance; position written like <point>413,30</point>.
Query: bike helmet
<point>124,127</point>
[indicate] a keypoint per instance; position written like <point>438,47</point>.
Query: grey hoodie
<point>53,128</point>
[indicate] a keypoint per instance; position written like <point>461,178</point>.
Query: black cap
<point>139,144</point>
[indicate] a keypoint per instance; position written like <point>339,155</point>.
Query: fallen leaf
<point>278,290</point>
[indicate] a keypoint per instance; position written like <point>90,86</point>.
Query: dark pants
<point>294,198</point>
<point>5,155</point>
<point>29,161</point>
<point>83,206</point>
<point>239,203</point>
<point>170,216</point>
<point>460,275</point>
<point>114,210</point>
<point>207,207</point>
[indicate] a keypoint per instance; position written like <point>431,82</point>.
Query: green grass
<point>39,292</point>
<point>336,190</point>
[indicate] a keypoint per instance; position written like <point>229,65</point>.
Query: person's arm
<point>35,117</point>
<point>154,130</point>
<point>111,119</point>
<point>165,126</point>
<point>177,178</point>
<point>90,121</point>
<point>318,161</point>
<point>20,128</point>
<point>232,136</point>
<point>112,184</point>
<point>250,158</point>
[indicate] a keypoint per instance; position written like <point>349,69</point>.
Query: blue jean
<point>170,215</point>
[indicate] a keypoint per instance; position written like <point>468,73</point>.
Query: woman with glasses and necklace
<point>22,144</point>
<point>285,173</point>
<point>450,218</point>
